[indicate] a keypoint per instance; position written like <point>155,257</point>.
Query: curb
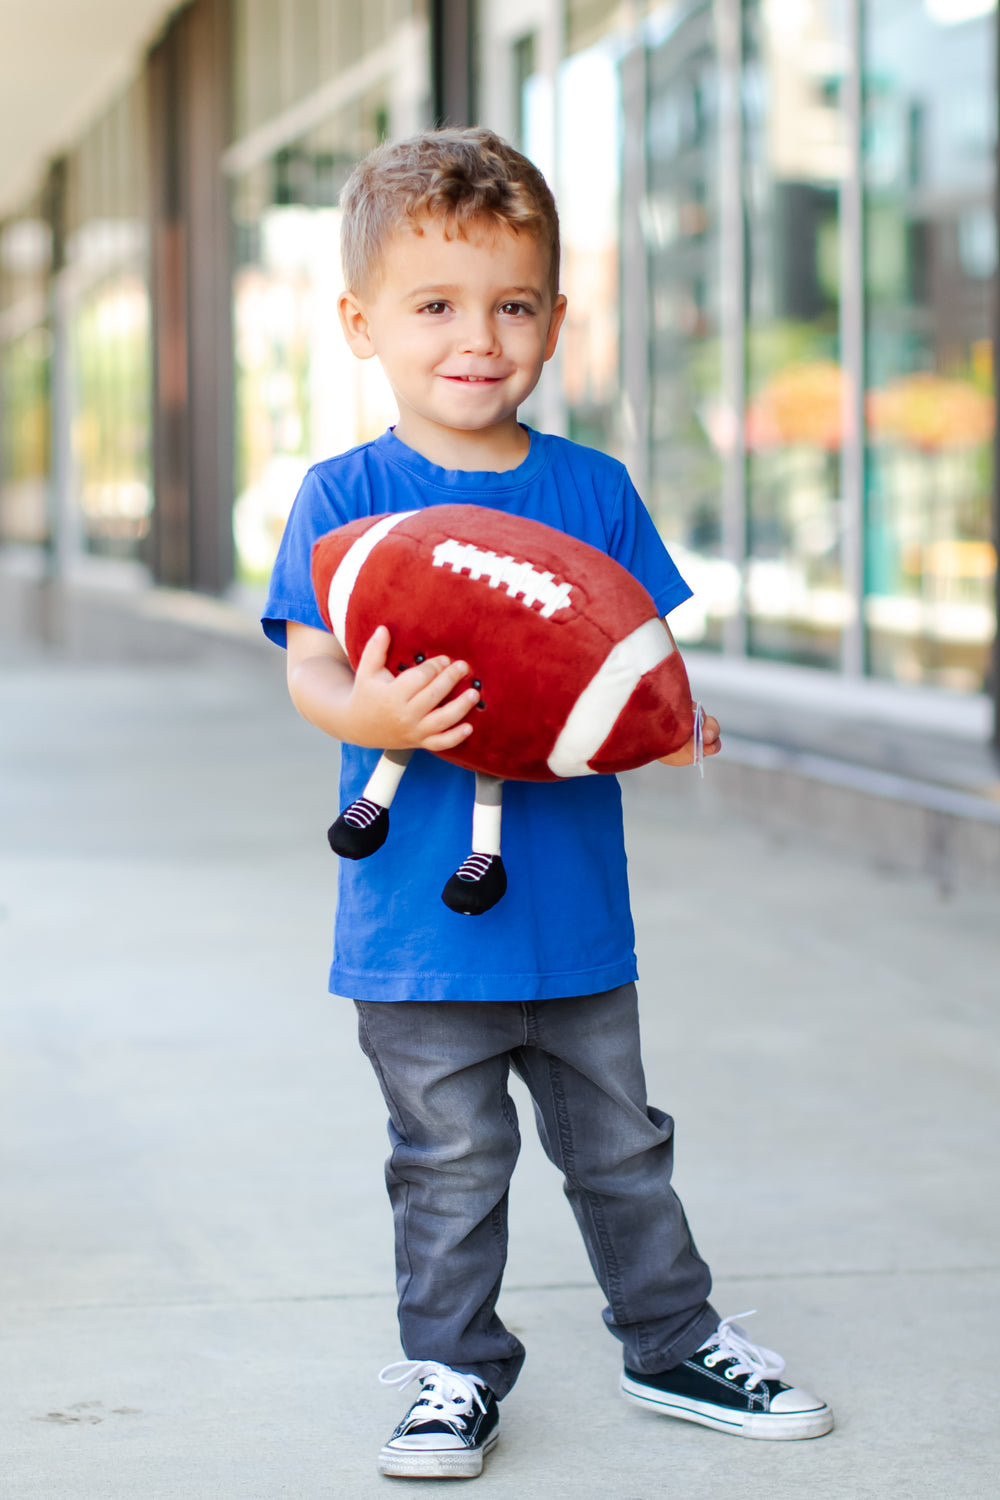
<point>897,823</point>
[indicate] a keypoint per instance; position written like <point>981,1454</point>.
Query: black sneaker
<point>448,1430</point>
<point>731,1384</point>
<point>476,885</point>
<point>360,830</point>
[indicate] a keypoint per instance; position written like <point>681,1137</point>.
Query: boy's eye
<point>516,309</point>
<point>434,307</point>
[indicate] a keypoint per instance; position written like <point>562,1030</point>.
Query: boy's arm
<point>374,707</point>
<point>711,743</point>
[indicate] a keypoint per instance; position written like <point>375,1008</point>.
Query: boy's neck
<point>492,449</point>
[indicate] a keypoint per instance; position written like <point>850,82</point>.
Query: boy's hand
<point>711,743</point>
<point>408,712</point>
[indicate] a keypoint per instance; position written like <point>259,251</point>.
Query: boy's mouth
<point>474,379</point>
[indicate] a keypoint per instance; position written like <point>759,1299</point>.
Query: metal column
<point>993,686</point>
<point>732,306</point>
<point>852,353</point>
<point>635,312</point>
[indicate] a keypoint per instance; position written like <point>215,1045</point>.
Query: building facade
<point>780,231</point>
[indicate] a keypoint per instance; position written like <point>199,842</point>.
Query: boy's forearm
<point>321,688</point>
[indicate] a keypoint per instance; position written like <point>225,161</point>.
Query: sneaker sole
<point>440,1463</point>
<point>773,1426</point>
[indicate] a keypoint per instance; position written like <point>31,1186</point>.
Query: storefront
<point>780,257</point>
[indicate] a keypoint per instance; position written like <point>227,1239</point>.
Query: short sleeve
<point>636,544</point>
<point>316,511</point>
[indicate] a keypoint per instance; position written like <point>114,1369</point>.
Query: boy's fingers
<point>448,739</point>
<point>449,714</point>
<point>376,650</point>
<point>428,691</point>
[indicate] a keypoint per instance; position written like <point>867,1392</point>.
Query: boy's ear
<point>556,317</point>
<point>354,322</point>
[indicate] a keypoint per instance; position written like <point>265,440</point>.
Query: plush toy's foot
<point>360,830</point>
<point>476,885</point>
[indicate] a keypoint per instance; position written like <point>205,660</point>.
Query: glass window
<point>795,144</point>
<point>107,277</point>
<point>680,222</point>
<point>587,21</point>
<point>525,77</point>
<point>930,263</point>
<point>25,253</point>
<point>286,49</point>
<point>588,178</point>
<point>300,393</point>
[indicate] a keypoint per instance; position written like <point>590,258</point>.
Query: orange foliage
<point>927,411</point>
<point>804,405</point>
<point>801,406</point>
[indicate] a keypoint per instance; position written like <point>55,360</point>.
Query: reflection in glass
<point>285,50</point>
<point>930,260</point>
<point>25,344</point>
<point>589,172</point>
<point>795,153</point>
<point>680,223</point>
<point>300,394</point>
<point>107,277</point>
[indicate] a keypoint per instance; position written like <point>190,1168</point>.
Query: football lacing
<point>475,867</point>
<point>362,814</point>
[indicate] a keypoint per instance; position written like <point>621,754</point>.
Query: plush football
<point>575,671</point>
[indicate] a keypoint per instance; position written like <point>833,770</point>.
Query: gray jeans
<point>443,1069</point>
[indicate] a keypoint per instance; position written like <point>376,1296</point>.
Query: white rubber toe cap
<point>793,1401</point>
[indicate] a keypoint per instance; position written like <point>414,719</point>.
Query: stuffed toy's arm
<point>374,707</point>
<point>711,743</point>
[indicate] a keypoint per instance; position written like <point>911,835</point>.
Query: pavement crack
<point>311,1299</point>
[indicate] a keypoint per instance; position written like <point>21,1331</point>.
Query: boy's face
<point>462,328</point>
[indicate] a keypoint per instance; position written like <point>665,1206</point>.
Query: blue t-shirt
<point>564,926</point>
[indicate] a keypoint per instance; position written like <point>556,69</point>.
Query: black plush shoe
<point>476,885</point>
<point>360,830</point>
<point>448,1430</point>
<point>732,1385</point>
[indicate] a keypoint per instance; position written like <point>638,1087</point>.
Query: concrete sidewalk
<point>196,1251</point>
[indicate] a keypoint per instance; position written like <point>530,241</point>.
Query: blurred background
<point>780,229</point>
<point>797,195</point>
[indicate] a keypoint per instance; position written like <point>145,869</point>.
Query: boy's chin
<point>471,422</point>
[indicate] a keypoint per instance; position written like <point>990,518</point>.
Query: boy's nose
<point>479,337</point>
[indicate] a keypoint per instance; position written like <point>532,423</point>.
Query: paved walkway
<point>196,1251</point>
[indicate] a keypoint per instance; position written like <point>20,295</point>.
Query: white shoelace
<point>362,813</point>
<point>447,1395</point>
<point>729,1341</point>
<point>474,868</point>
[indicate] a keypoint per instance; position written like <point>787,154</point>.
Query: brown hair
<point>459,176</point>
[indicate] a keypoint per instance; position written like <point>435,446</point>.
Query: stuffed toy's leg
<point>362,827</point>
<point>480,880</point>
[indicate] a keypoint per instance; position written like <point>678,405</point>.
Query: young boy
<point>451,259</point>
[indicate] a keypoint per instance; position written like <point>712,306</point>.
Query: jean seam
<point>498,1217</point>
<point>370,1051</point>
<point>589,1201</point>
